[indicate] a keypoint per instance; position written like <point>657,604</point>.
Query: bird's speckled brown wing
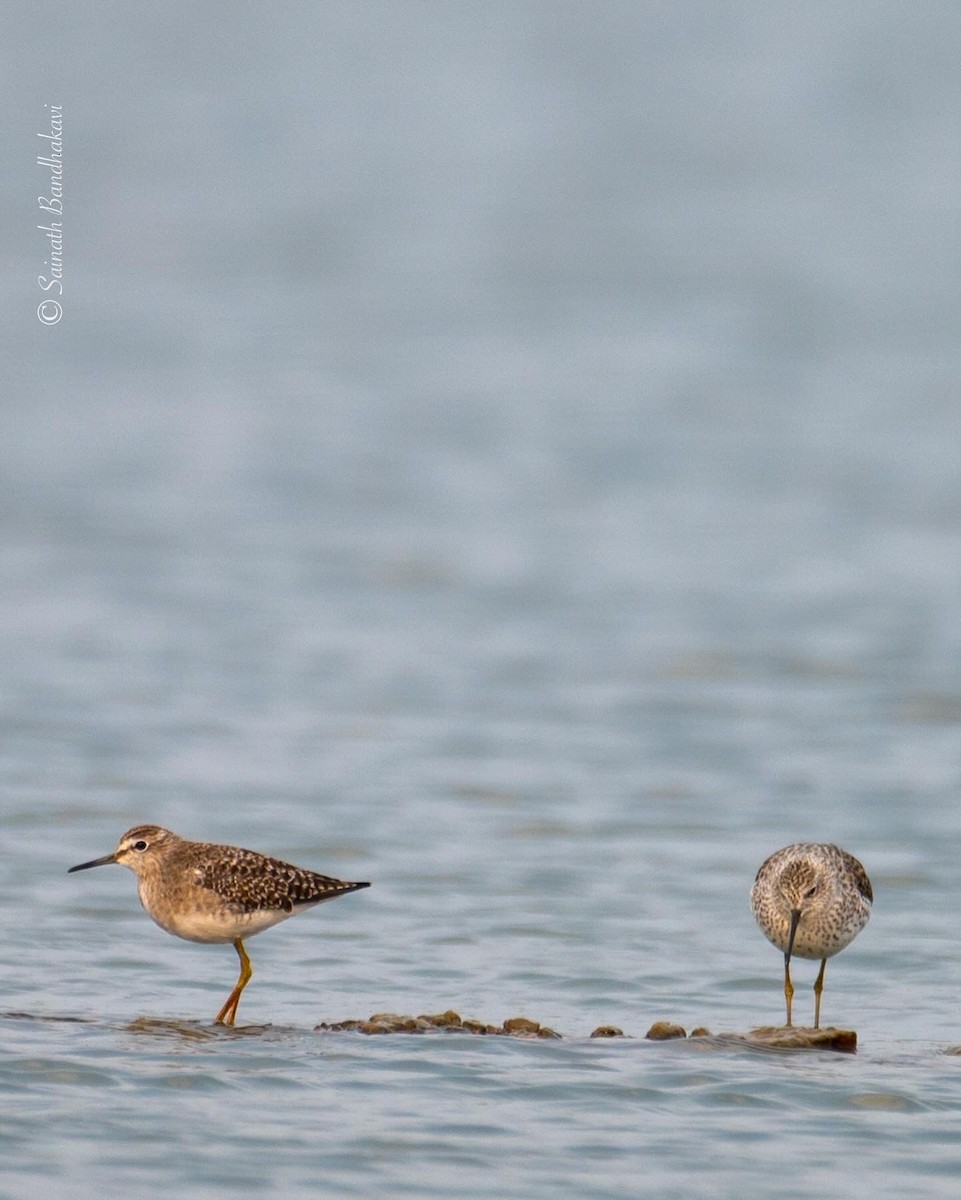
<point>250,882</point>
<point>860,876</point>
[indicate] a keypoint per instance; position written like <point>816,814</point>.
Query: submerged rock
<point>784,1037</point>
<point>767,1037</point>
<point>446,1022</point>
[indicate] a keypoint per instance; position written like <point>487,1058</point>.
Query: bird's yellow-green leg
<point>818,989</point>
<point>229,1011</point>
<point>788,988</point>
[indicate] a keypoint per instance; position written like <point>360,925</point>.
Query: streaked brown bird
<point>811,900</point>
<point>208,893</point>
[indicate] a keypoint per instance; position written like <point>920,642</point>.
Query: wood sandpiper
<point>811,900</point>
<point>209,893</point>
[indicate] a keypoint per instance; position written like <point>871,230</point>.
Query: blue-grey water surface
<point>512,454</point>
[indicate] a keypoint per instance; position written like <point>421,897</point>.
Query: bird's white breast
<point>200,916</point>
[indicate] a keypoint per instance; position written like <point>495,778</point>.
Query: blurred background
<point>506,452</point>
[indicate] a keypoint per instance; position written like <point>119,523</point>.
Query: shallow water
<point>514,460</point>
<point>274,1108</point>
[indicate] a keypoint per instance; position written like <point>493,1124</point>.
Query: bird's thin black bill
<point>97,862</point>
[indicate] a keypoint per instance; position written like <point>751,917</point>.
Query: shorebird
<point>811,900</point>
<point>208,893</point>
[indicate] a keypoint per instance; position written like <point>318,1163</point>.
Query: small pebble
<point>441,1020</point>
<point>521,1025</point>
<point>663,1031</point>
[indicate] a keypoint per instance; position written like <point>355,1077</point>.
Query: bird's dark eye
<point>141,845</point>
<point>812,891</point>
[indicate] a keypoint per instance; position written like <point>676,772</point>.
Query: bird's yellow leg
<point>229,1011</point>
<point>818,989</point>
<point>788,989</point>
